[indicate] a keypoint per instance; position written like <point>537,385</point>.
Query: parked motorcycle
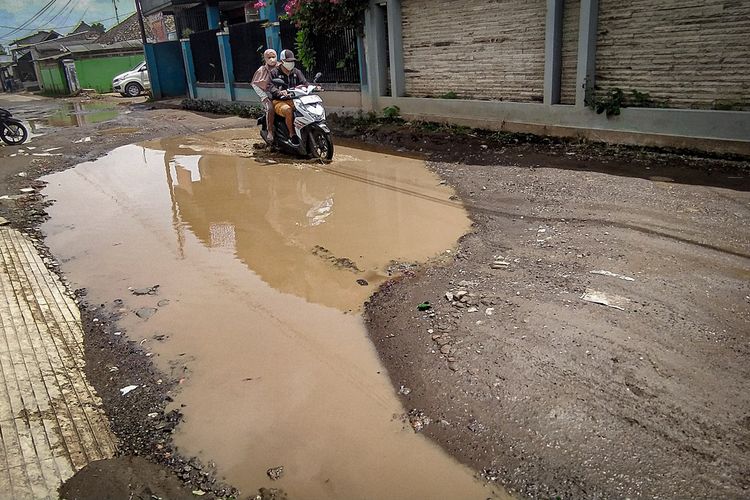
<point>12,131</point>
<point>309,122</point>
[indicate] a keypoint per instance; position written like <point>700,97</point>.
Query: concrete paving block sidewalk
<point>51,421</point>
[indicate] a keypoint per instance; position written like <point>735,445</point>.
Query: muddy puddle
<point>73,114</point>
<point>263,265</point>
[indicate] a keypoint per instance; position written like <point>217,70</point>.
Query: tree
<point>99,27</point>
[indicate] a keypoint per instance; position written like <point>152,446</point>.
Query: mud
<point>26,211</point>
<point>582,424</point>
<point>123,478</point>
<point>262,265</point>
<point>552,395</point>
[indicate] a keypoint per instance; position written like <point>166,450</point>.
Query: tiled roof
<point>81,28</point>
<point>39,36</point>
<point>58,45</point>
<point>129,29</point>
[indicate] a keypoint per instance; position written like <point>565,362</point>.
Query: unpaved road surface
<point>555,395</point>
<point>547,394</point>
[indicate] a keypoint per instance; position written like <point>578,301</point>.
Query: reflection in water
<point>299,228</point>
<point>75,114</point>
<point>260,263</point>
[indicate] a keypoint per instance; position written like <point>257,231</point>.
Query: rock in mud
<point>145,291</point>
<point>418,420</point>
<point>270,494</point>
<point>362,282</point>
<point>275,473</point>
<point>145,312</point>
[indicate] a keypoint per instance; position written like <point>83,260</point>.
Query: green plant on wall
<point>616,99</point>
<point>610,103</point>
<point>305,49</point>
<point>349,57</point>
<point>315,18</point>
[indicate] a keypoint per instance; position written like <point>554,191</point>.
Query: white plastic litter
<point>128,389</point>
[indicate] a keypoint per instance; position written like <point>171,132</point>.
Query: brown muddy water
<point>258,259</point>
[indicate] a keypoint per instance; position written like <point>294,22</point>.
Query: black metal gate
<point>248,41</point>
<point>335,55</point>
<point>206,58</point>
<point>192,20</point>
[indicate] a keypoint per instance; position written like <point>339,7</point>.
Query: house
<point>47,58</point>
<point>23,64</point>
<point>650,73</point>
<point>6,63</point>
<point>87,59</point>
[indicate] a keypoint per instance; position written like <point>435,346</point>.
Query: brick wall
<point>485,49</point>
<point>687,53</point>
<point>571,16</point>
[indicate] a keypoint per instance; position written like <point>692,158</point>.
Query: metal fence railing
<point>206,58</point>
<point>335,55</point>
<point>192,20</point>
<point>248,41</point>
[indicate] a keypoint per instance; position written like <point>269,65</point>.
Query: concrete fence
<point>539,65</point>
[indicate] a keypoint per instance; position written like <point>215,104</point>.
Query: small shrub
<point>449,95</point>
<point>641,99</point>
<point>611,103</point>
<point>222,108</point>
<point>391,113</point>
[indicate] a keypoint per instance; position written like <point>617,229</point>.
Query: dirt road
<point>553,394</point>
<point>521,378</point>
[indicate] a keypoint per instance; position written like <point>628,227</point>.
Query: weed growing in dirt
<point>220,108</point>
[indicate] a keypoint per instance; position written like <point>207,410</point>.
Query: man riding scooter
<point>291,77</point>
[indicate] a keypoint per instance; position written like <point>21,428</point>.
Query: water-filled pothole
<point>266,263</point>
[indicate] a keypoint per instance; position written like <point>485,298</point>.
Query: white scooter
<point>309,123</point>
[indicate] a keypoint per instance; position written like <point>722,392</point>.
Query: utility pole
<point>140,21</point>
<point>117,16</point>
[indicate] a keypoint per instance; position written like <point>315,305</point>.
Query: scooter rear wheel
<point>321,145</point>
<point>13,133</point>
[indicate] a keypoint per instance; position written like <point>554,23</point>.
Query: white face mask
<point>288,65</point>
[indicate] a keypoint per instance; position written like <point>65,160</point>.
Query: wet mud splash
<point>263,264</point>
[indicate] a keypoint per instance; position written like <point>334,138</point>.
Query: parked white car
<point>133,82</point>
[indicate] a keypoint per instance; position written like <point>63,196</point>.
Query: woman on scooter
<point>263,86</point>
<point>292,77</point>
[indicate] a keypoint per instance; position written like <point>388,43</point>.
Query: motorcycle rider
<point>292,77</point>
<point>263,86</point>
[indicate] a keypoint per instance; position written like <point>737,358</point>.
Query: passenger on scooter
<point>263,86</point>
<point>292,77</point>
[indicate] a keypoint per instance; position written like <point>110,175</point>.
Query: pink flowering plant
<point>321,18</point>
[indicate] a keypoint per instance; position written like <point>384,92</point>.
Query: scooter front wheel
<point>321,145</point>
<point>13,132</point>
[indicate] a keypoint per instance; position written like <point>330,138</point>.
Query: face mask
<point>288,65</point>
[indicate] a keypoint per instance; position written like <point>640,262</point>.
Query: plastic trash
<point>127,389</point>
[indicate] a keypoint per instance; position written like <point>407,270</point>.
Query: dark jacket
<point>294,78</point>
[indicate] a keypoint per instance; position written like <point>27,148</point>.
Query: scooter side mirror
<point>317,77</point>
<point>279,82</point>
